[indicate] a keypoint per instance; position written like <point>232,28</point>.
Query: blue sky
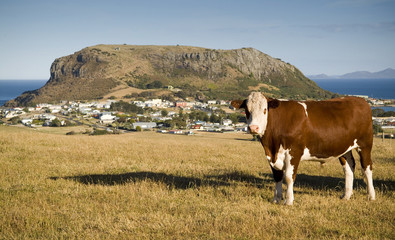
<point>317,36</point>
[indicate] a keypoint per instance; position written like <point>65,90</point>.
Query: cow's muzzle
<point>254,129</point>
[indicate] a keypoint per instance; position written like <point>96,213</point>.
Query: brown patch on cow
<point>342,160</point>
<point>273,103</point>
<point>239,104</point>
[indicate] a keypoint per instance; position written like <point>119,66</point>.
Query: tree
<point>15,120</point>
<point>235,117</point>
<point>215,119</point>
<point>181,94</point>
<point>388,114</point>
<point>377,112</point>
<point>155,84</point>
<point>377,129</point>
<point>56,123</point>
<point>121,119</point>
<point>164,113</point>
<point>126,107</point>
<point>181,113</point>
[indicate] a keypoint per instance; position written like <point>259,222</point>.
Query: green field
<point>146,185</point>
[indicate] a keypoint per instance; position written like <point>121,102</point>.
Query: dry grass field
<point>153,186</point>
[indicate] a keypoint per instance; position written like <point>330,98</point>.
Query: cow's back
<point>326,128</point>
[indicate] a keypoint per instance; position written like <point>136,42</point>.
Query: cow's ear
<point>273,103</point>
<point>239,104</point>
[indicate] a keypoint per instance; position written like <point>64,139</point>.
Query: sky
<point>318,36</point>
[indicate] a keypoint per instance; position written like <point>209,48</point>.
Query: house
<point>106,118</point>
<point>144,125</point>
<point>171,114</point>
<point>181,104</point>
<point>153,103</point>
<point>227,122</point>
<point>197,127</point>
<point>85,110</point>
<point>55,108</point>
<point>211,102</point>
<point>27,121</point>
<point>47,117</point>
<point>139,104</point>
<point>11,114</point>
<point>176,131</point>
<point>222,102</point>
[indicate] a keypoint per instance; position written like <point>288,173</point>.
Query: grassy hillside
<point>153,186</point>
<point>104,70</point>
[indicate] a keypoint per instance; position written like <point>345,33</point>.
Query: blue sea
<point>10,89</point>
<point>375,88</point>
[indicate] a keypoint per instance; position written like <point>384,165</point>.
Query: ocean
<point>375,88</point>
<point>10,89</point>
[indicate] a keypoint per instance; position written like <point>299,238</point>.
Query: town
<point>180,117</point>
<point>113,116</point>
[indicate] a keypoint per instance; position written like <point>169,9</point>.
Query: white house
<point>106,118</point>
<point>144,125</point>
<point>227,122</point>
<point>47,117</point>
<point>153,102</point>
<point>27,121</point>
<point>11,114</point>
<point>55,108</point>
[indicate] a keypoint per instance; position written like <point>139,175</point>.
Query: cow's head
<point>257,109</point>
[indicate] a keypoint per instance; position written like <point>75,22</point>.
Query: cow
<point>293,131</point>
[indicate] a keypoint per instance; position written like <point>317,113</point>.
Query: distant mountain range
<point>385,74</point>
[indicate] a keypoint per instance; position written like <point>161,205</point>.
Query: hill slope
<point>95,72</point>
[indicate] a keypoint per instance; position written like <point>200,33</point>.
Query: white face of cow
<point>256,113</point>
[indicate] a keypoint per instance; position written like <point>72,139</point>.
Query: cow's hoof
<point>345,197</point>
<point>276,201</point>
<point>288,203</point>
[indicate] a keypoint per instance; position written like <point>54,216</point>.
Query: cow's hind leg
<point>366,163</point>
<point>291,166</point>
<point>278,190</point>
<point>348,163</point>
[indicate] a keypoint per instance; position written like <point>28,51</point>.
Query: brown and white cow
<point>294,131</point>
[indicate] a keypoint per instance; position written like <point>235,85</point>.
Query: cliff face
<point>95,71</point>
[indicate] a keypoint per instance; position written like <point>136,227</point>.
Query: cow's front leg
<point>278,190</point>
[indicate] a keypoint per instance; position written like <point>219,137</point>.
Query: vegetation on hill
<point>98,71</point>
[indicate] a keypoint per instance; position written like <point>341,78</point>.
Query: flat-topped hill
<point>98,71</point>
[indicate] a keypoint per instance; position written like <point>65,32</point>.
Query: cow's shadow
<point>224,179</point>
<point>335,183</point>
<point>172,181</point>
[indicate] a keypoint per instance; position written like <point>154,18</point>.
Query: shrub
<point>138,129</point>
<point>99,132</point>
<point>56,123</point>
<point>15,120</point>
<point>377,129</point>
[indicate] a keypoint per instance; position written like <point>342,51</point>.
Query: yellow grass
<point>153,186</point>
